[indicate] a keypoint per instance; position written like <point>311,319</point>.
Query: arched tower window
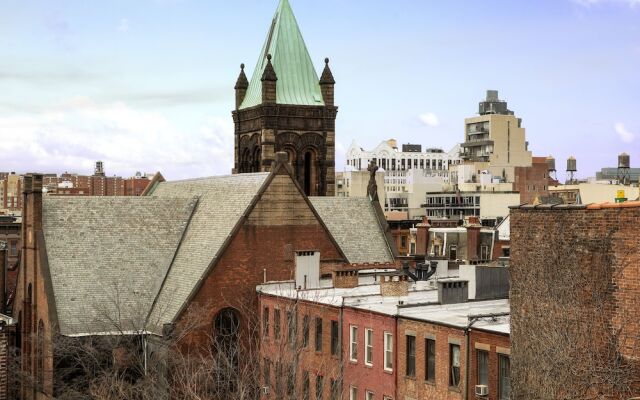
<point>310,173</point>
<point>257,159</point>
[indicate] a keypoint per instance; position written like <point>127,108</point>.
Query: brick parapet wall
<point>575,279</point>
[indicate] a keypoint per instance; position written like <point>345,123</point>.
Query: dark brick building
<point>575,301</point>
<point>285,107</point>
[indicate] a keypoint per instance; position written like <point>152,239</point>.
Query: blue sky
<point>147,85</point>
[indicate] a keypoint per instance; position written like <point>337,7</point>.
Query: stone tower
<point>285,107</point>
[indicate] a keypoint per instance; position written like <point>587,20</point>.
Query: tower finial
<point>269,73</point>
<point>327,76</point>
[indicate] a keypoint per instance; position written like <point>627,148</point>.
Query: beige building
<point>355,183</point>
<point>587,193</point>
<point>10,191</point>
<point>494,142</point>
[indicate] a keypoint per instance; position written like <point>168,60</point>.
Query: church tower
<point>285,107</point>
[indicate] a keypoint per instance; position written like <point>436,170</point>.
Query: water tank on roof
<point>624,160</point>
<point>551,163</point>
<point>571,164</point>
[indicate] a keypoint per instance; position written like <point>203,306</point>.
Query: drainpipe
<point>3,278</point>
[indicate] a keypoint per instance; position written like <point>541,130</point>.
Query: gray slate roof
<point>222,201</point>
<point>107,257</point>
<point>353,224</point>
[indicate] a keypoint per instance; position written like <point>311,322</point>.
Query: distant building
<point>613,174</point>
<point>10,191</point>
<point>355,183</point>
<point>10,235</point>
<point>490,206</point>
<point>587,193</point>
<point>575,285</point>
<point>408,174</point>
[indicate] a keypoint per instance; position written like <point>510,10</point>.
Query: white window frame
<point>353,343</point>
<point>353,393</point>
<point>368,346</point>
<point>368,395</point>
<point>388,351</point>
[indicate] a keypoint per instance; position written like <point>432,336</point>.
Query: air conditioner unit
<point>482,390</point>
<point>266,390</point>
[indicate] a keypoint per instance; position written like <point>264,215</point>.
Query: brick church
<point>95,266</point>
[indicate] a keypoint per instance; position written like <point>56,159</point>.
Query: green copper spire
<point>297,79</point>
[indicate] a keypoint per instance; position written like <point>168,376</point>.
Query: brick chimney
<point>473,237</point>
<point>31,209</point>
<point>395,285</point>
<point>345,279</point>
<point>422,236</point>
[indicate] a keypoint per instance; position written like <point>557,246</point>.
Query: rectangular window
<point>504,377</point>
<point>291,382</point>
<point>484,252</point>
<point>266,372</point>
<point>482,358</point>
<point>305,331</point>
<point>388,351</point>
<point>13,248</point>
<point>353,343</point>
<point>368,344</point>
<point>454,365</point>
<point>335,338</point>
<point>453,252</point>
<point>305,385</point>
<point>335,389</point>
<point>353,393</point>
<point>430,360</point>
<point>319,387</point>
<point>318,334</point>
<point>278,379</point>
<point>276,323</point>
<point>265,322</point>
<point>291,324</point>
<point>411,356</point>
<point>368,395</point>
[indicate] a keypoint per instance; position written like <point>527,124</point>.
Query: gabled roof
<point>223,200</point>
<point>353,224</point>
<point>107,257</point>
<point>297,79</point>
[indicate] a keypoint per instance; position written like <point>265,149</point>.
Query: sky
<point>147,85</point>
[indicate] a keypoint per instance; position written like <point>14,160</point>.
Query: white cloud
<point>625,135</point>
<point>72,136</point>
<point>429,119</point>
<point>124,25</point>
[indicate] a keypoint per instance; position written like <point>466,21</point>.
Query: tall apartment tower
<point>285,107</point>
<point>495,140</point>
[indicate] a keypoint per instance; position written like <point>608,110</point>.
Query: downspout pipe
<point>432,270</point>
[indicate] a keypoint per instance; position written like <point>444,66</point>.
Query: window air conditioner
<point>482,390</point>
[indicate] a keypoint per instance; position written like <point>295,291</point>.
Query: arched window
<point>257,159</point>
<point>40,355</point>
<point>310,173</point>
<point>226,329</point>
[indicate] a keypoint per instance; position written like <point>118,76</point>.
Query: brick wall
<point>575,283</point>
<point>494,344</point>
<point>417,387</point>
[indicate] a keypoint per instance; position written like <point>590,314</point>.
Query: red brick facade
<point>575,274</point>
<point>533,181</point>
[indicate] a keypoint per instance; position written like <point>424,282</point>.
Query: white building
<point>408,172</point>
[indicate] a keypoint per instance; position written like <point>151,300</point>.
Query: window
<point>318,334</point>
<point>484,252</point>
<point>265,322</point>
<point>388,351</point>
<point>335,338</point>
<point>411,356</point>
<point>291,324</point>
<point>368,344</point>
<point>278,379</point>
<point>305,331</point>
<point>353,393</point>
<point>276,323</point>
<point>430,360</point>
<point>291,382</point>
<point>403,241</point>
<point>454,365</point>
<point>335,390</point>
<point>482,359</point>
<point>13,248</point>
<point>368,395</point>
<point>386,397</point>
<point>453,252</point>
<point>305,385</point>
<point>319,387</point>
<point>353,343</point>
<point>266,372</point>
<point>504,377</point>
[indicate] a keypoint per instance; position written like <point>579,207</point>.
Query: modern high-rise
<point>285,107</point>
